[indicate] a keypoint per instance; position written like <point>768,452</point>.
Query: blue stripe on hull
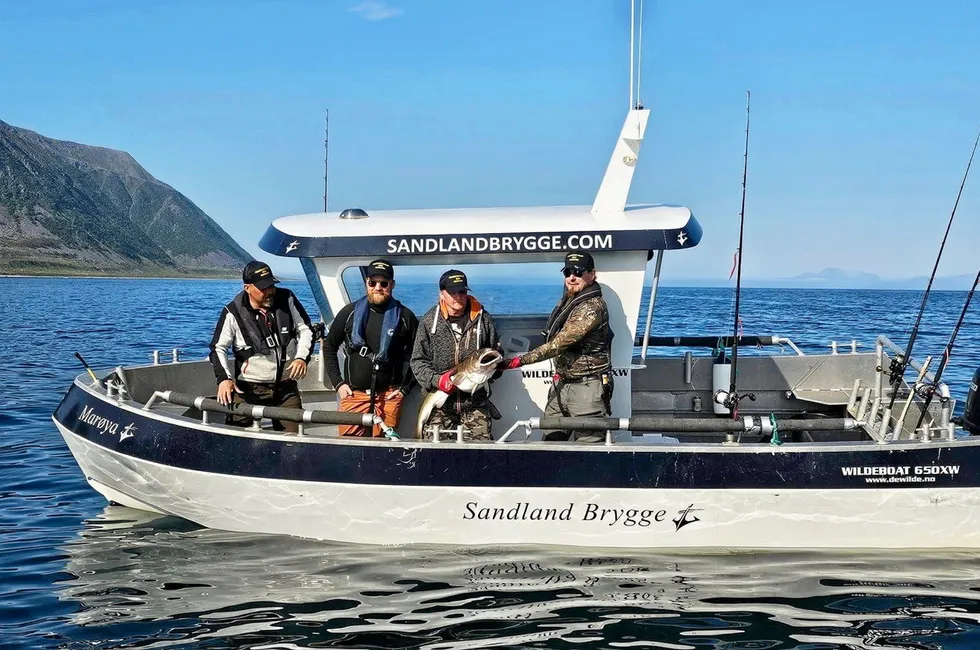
<point>449,464</point>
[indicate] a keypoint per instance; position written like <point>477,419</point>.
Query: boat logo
<point>682,238</point>
<point>105,425</point>
<point>685,517</point>
<point>293,245</point>
<point>629,161</point>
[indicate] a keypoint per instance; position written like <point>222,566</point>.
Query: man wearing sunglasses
<point>455,328</point>
<point>270,335</point>
<point>376,333</point>
<point>579,339</point>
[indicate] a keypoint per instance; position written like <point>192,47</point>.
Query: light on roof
<point>353,213</point>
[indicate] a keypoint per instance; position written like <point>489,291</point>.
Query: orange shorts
<point>390,411</point>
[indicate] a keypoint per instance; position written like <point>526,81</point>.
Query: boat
<point>830,450</point>
<point>816,460</point>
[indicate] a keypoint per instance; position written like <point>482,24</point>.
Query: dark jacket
<point>437,350</point>
<point>397,373</point>
<point>288,328</point>
<point>579,337</point>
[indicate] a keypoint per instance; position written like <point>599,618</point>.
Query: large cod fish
<point>468,376</point>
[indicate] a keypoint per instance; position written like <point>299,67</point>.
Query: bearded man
<point>376,333</point>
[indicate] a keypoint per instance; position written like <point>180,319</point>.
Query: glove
<point>446,382</point>
<point>511,364</point>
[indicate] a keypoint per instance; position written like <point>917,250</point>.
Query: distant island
<point>74,209</point>
<point>832,278</point>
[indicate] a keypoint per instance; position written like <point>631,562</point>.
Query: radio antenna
<point>636,54</point>
<point>326,157</point>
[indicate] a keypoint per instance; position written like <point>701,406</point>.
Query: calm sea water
<point>76,573</point>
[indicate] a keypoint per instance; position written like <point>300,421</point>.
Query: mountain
<point>74,209</point>
<point>831,278</point>
<point>838,278</point>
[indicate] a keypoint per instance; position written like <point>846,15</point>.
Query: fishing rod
<point>901,362</point>
<point>733,398</point>
<point>930,389</point>
<point>88,368</point>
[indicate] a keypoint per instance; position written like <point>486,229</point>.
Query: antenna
<point>639,60</point>
<point>636,54</point>
<point>326,157</point>
<point>632,48</point>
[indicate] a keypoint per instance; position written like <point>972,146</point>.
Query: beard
<point>375,299</point>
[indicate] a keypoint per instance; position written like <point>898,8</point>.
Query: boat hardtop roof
<point>477,230</point>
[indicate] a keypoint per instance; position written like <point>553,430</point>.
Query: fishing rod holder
<point>457,431</point>
<point>174,356</point>
<point>835,346</point>
<point>116,385</point>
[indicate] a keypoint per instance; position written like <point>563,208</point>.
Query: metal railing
<point>721,426</point>
<point>207,405</point>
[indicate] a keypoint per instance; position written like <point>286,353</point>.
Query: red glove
<point>513,363</point>
<point>446,382</point>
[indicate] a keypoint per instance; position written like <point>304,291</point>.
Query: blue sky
<point>862,120</point>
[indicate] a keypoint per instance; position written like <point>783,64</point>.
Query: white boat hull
<point>603,517</point>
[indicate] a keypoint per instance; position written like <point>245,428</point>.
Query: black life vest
<point>265,334</point>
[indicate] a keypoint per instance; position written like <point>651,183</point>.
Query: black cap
<point>453,280</point>
<point>582,261</point>
<point>382,268</point>
<point>259,274</point>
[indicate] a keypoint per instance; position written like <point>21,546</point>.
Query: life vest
<point>389,326</point>
<point>598,342</point>
<point>259,337</point>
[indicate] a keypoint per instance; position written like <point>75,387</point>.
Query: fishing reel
<point>731,399</point>
<point>927,391</point>
<point>896,370</point>
<point>319,331</point>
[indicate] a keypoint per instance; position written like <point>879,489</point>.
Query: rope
<point>774,441</point>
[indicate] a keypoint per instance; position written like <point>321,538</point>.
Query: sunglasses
<point>577,271</point>
<point>384,284</point>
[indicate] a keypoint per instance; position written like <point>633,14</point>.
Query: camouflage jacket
<point>579,337</point>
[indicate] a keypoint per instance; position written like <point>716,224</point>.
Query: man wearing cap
<point>455,328</point>
<point>579,339</point>
<point>377,333</point>
<point>271,339</point>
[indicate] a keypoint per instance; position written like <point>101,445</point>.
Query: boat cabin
<point>334,248</point>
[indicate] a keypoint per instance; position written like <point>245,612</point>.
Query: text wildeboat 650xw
<point>830,450</point>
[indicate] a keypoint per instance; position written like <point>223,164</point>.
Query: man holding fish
<point>579,339</point>
<point>456,353</point>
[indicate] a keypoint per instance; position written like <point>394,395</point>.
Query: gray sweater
<point>436,349</point>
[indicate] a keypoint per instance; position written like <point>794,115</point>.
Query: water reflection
<point>164,582</point>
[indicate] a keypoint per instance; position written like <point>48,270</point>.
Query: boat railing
<point>712,342</point>
<point>730,429</point>
<point>207,406</point>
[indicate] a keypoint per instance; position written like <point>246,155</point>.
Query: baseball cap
<point>453,280</point>
<point>258,274</point>
<point>579,261</point>
<point>382,268</point>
